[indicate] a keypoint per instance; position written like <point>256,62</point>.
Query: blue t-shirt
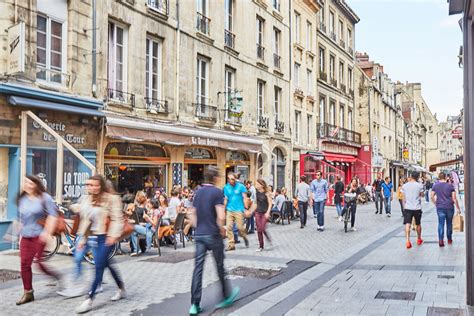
<point>205,201</point>
<point>32,210</point>
<point>235,200</point>
<point>387,189</point>
<point>320,189</point>
<point>444,195</point>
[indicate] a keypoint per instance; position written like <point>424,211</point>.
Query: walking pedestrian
<point>262,211</point>
<point>400,193</point>
<point>102,205</point>
<point>428,186</point>
<point>234,193</point>
<point>444,197</point>
<point>303,194</point>
<point>250,226</point>
<point>387,188</point>
<point>319,189</point>
<point>353,187</point>
<point>33,203</point>
<point>377,185</point>
<point>208,213</point>
<point>412,194</point>
<point>338,190</point>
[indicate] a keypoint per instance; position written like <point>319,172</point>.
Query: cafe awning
<point>339,158</point>
<point>446,163</point>
<point>53,106</point>
<point>130,129</point>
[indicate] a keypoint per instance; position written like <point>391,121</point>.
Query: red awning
<point>340,157</point>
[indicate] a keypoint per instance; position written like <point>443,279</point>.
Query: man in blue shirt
<point>387,190</point>
<point>319,189</point>
<point>234,193</point>
<point>208,216</point>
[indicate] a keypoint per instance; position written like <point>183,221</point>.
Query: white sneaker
<point>340,218</point>
<point>119,295</point>
<point>354,229</point>
<point>85,307</point>
<point>259,250</point>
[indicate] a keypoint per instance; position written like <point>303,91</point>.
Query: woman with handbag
<point>103,207</point>
<point>33,205</point>
<point>352,188</point>
<point>262,211</point>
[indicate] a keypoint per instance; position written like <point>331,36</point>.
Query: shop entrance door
<point>195,175</point>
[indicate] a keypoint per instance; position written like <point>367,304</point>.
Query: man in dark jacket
<point>338,190</point>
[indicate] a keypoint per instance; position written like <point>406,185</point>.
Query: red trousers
<point>31,247</point>
<point>261,221</point>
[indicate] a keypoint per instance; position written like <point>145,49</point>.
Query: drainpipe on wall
<point>94,48</point>
<point>178,44</point>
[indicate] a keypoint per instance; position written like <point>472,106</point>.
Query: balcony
<point>342,44</point>
<point>124,98</point>
<point>299,93</point>
<point>279,126</point>
<point>322,27</point>
<point>334,82</point>
<point>336,133</point>
<point>205,112</point>
<point>343,88</point>
<point>350,51</point>
<point>276,61</point>
<point>260,52</point>
<point>156,106</point>
<point>229,39</point>
<point>160,6</point>
<point>263,122</point>
<point>333,36</point>
<point>351,92</point>
<point>202,23</point>
<point>233,117</point>
<point>323,76</point>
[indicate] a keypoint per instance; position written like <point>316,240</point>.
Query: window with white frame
<point>297,75</point>
<point>229,15</point>
<point>229,82</point>
<point>297,27</point>
<point>153,70</point>
<point>276,4</point>
<point>50,60</point>
<point>332,66</point>
<point>341,30</point>
<point>297,126</point>
<point>260,98</point>
<point>332,113</point>
<point>202,7</point>
<point>342,116</point>
<point>309,35</point>
<point>159,5</point>
<point>322,60</point>
<point>322,14</point>
<point>322,109</point>
<point>309,81</point>
<point>276,41</point>
<point>309,128</point>
<point>341,73</point>
<point>331,22</point>
<point>117,63</point>
<point>202,84</point>
<point>260,30</point>
<point>349,78</point>
<point>349,37</point>
<point>277,102</point>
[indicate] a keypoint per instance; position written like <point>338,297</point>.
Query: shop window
<point>198,153</point>
<point>133,150</point>
<point>280,161</point>
<point>236,156</point>
<point>130,178</point>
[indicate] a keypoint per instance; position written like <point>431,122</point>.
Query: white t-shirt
<point>172,207</point>
<point>411,191</point>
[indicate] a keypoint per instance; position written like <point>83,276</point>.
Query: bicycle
<point>53,245</point>
<point>349,200</point>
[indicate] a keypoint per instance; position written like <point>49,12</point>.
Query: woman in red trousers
<point>262,208</point>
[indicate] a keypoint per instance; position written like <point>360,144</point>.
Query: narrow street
<point>305,273</point>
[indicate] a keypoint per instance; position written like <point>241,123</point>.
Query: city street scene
<point>236,157</point>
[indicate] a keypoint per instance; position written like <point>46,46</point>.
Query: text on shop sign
<point>59,127</point>
<point>204,141</point>
<point>74,184</point>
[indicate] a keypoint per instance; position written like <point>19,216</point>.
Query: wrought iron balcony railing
<point>279,126</point>
<point>322,27</point>
<point>260,52</point>
<point>263,122</point>
<point>229,39</point>
<point>202,23</point>
<point>276,61</point>
<point>122,97</point>
<point>205,112</point>
<point>342,44</point>
<point>323,76</point>
<point>350,50</point>
<point>234,118</point>
<point>157,106</point>
<point>337,133</point>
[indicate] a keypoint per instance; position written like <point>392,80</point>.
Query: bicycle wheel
<point>89,256</point>
<point>346,219</point>
<point>51,248</point>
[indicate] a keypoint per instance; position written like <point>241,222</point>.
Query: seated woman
<point>152,216</point>
<point>140,223</point>
<point>164,229</point>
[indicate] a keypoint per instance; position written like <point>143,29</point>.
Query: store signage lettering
<point>59,127</point>
<point>74,184</point>
<point>340,149</point>
<point>204,141</point>
<point>16,43</point>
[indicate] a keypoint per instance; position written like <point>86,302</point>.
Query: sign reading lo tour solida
<point>74,184</point>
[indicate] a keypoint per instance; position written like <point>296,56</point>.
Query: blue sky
<point>415,41</point>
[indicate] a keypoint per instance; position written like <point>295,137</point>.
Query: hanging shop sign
<point>406,153</point>
<point>457,132</point>
<point>340,149</point>
<point>16,49</point>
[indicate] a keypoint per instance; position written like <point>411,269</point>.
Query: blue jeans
<point>318,210</point>
<point>427,195</point>
<point>339,209</point>
<point>445,215</point>
<point>388,205</point>
<point>144,231</point>
<point>215,244</point>
<point>250,224</point>
<point>91,244</point>
<point>101,263</point>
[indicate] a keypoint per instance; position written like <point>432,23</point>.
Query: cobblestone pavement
<point>353,268</point>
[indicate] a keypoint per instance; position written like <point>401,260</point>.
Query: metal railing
<point>323,76</point>
<point>52,76</point>
<point>322,27</point>
<point>205,112</point>
<point>343,87</point>
<point>260,52</point>
<point>276,61</point>
<point>157,106</point>
<point>342,43</point>
<point>122,97</point>
<point>202,23</point>
<point>279,126</point>
<point>351,92</point>
<point>229,39</point>
<point>233,117</point>
<point>334,82</point>
<point>333,36</point>
<point>263,122</point>
<point>350,50</point>
<point>161,6</point>
<point>337,133</point>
